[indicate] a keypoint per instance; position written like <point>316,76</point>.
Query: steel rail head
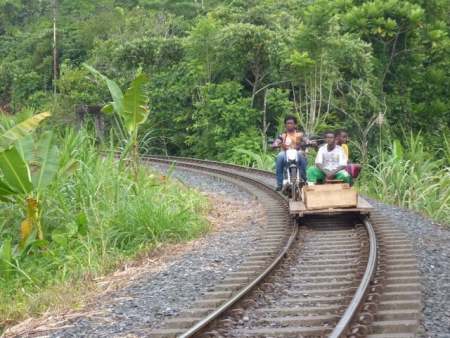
<point>347,318</point>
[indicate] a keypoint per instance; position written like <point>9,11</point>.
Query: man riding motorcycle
<point>290,139</point>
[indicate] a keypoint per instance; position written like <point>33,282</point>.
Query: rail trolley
<point>331,197</point>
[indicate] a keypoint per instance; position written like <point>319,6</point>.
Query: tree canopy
<point>223,73</point>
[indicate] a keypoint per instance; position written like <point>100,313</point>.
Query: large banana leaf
<point>47,160</point>
<point>21,130</point>
<point>16,173</point>
<point>114,89</point>
<point>135,103</point>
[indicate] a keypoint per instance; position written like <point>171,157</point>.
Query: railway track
<point>345,276</point>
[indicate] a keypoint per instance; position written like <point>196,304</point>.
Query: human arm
<point>278,142</point>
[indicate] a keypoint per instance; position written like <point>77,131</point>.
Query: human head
<point>329,137</point>
<point>341,136</point>
<point>290,123</point>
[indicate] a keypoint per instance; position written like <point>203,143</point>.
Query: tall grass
<point>94,220</point>
<point>411,176</point>
<point>249,158</point>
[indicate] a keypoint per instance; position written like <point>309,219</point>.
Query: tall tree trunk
<point>55,49</point>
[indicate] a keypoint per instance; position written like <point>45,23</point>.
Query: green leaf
<point>21,130</point>
<point>48,161</point>
<point>69,168</point>
<point>16,172</point>
<point>135,103</point>
<point>397,149</point>
<point>82,223</point>
<point>25,148</point>
<point>5,192</point>
<point>114,89</point>
<point>6,257</point>
<point>108,109</point>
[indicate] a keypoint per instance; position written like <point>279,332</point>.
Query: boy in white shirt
<point>330,163</point>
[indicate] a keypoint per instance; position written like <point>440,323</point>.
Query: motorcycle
<point>293,181</point>
<point>292,178</point>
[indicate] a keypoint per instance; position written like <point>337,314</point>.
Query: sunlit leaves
<point>135,109</point>
<point>21,130</point>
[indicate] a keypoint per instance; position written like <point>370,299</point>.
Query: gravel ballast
<point>431,244</point>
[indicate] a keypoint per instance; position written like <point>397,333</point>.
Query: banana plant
<point>132,109</point>
<point>26,169</point>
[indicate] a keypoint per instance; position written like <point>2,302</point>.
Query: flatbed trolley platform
<point>329,199</point>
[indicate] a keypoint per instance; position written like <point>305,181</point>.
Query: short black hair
<point>329,132</point>
<point>338,132</point>
<point>290,117</point>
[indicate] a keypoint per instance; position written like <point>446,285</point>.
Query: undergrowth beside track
<point>94,221</point>
<point>411,176</point>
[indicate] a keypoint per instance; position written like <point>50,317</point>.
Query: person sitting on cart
<point>342,140</point>
<point>330,163</point>
<point>291,138</point>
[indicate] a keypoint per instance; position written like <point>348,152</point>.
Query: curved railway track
<point>346,276</point>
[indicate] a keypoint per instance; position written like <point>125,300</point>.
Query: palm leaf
<point>15,171</point>
<point>21,130</point>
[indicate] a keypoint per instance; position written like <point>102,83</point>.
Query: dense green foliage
<point>223,72</point>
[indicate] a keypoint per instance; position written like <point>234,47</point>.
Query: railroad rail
<point>345,269</point>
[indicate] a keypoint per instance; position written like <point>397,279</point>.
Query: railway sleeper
<point>328,285</point>
<point>395,326</point>
<point>303,310</point>
<point>401,295</point>
<point>331,273</point>
<point>392,335</point>
<point>318,300</point>
<point>321,292</point>
<point>283,331</point>
<point>300,320</point>
<point>324,279</point>
<point>397,315</point>
<point>400,305</point>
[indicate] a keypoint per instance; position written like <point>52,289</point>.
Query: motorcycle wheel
<point>295,191</point>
